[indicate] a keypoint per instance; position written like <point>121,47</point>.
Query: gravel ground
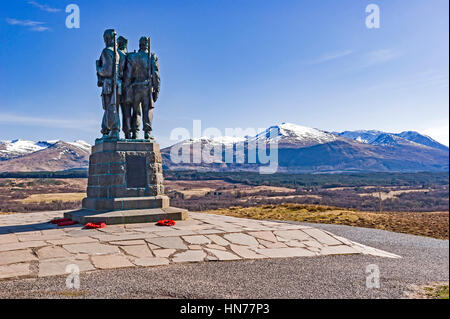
<point>425,260</point>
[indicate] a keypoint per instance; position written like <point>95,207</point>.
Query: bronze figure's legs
<point>135,119</point>
<point>111,121</point>
<point>136,112</point>
<point>126,119</point>
<point>147,114</point>
<point>148,118</point>
<point>142,99</point>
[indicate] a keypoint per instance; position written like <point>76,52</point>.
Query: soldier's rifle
<point>116,58</point>
<point>150,71</point>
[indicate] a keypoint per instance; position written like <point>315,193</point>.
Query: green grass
<point>443,292</point>
<point>437,292</point>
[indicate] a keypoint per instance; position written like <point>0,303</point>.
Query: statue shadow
<point>32,227</point>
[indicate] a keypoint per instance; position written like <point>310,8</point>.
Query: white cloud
<point>23,23</point>
<point>32,25</point>
<point>379,57</point>
<point>331,56</point>
<point>40,28</point>
<point>44,7</point>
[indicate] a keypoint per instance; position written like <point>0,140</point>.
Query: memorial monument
<point>125,183</point>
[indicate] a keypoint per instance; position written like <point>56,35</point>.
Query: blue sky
<point>231,63</point>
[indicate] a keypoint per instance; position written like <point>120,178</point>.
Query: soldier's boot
<point>147,135</point>
<point>114,134</point>
<point>105,134</point>
<point>133,135</point>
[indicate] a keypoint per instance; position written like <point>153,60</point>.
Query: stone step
<point>84,216</point>
<point>126,203</point>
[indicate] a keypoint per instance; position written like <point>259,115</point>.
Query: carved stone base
<point>124,203</point>
<point>125,168</point>
<point>126,175</point>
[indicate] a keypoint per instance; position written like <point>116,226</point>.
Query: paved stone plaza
<point>30,246</point>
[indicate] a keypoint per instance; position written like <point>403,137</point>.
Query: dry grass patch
<point>394,194</point>
<point>431,224</point>
<point>40,194</point>
<point>48,198</point>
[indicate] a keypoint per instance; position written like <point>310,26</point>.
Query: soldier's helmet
<point>122,43</point>
<point>143,43</point>
<point>108,35</point>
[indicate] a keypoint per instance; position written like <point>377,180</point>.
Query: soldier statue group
<point>129,80</point>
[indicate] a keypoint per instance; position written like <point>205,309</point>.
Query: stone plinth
<point>126,175</point>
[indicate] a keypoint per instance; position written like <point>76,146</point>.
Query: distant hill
<point>16,148</point>
<point>26,156</point>
<point>383,138</point>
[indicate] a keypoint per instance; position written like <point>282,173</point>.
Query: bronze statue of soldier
<point>125,106</point>
<point>142,83</point>
<point>108,77</point>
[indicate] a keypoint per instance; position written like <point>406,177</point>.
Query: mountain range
<point>300,149</point>
<point>28,156</point>
<point>382,138</point>
<point>305,149</point>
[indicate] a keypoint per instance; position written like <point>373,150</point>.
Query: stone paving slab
<point>30,246</point>
<point>151,261</point>
<point>92,249</point>
<point>14,270</point>
<point>59,266</point>
<point>24,245</point>
<point>189,256</point>
<point>16,256</point>
<point>164,252</point>
<point>111,261</point>
<point>140,251</point>
<point>49,252</point>
<point>221,254</point>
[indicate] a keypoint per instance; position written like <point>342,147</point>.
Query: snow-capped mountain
<point>391,139</point>
<point>292,134</point>
<point>219,140</point>
<point>15,148</point>
<point>81,144</point>
<point>367,137</point>
<point>305,149</point>
<point>422,139</point>
<point>283,134</point>
<point>18,147</point>
<point>25,156</point>
<point>387,139</point>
